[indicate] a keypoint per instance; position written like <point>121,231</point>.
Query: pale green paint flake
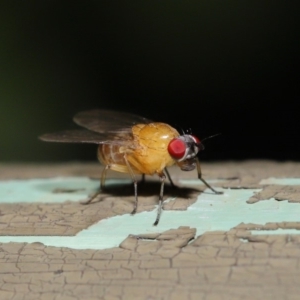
<point>277,231</point>
<point>198,182</point>
<point>210,212</point>
<point>46,190</point>
<point>280,181</point>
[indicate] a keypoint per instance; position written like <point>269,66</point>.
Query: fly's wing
<point>76,136</point>
<point>108,121</point>
<point>107,127</point>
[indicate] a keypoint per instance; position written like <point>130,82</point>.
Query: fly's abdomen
<point>109,154</point>
<point>112,155</point>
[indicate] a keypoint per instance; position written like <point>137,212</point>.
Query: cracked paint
<point>170,264</point>
<point>209,212</point>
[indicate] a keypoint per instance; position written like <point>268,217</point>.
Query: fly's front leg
<point>134,184</point>
<point>170,179</point>
<point>200,177</point>
<point>162,177</point>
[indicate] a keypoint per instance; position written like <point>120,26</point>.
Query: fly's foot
<point>219,192</point>
<point>90,200</point>
<point>134,211</point>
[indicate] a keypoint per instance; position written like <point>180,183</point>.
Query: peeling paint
<point>209,213</point>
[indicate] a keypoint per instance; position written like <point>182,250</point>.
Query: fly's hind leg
<point>162,177</point>
<point>130,171</point>
<point>200,177</point>
<point>103,177</point>
<point>102,186</point>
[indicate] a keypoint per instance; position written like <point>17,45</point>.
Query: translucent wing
<point>76,136</point>
<point>104,121</point>
<point>108,127</point>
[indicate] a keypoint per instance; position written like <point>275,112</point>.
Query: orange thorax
<point>146,152</point>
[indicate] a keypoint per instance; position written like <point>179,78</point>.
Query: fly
<point>132,144</point>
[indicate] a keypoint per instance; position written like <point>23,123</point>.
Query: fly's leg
<point>162,177</point>
<point>103,177</point>
<point>102,186</point>
<point>170,179</point>
<point>200,177</point>
<point>134,184</point>
<point>143,179</point>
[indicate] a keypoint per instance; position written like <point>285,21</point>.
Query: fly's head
<point>184,150</point>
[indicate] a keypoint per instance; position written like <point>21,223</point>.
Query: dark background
<point>229,67</point>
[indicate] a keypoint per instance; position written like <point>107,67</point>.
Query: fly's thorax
<point>150,154</point>
<point>156,136</point>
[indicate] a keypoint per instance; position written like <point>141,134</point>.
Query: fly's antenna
<point>211,136</point>
<point>201,145</point>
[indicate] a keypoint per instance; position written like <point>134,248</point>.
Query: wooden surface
<point>244,245</point>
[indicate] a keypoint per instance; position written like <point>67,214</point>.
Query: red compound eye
<point>197,141</point>
<point>177,148</point>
